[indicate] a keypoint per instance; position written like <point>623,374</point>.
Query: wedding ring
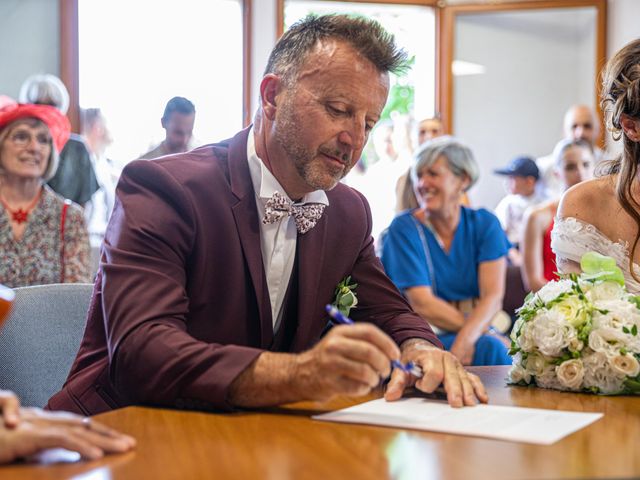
<point>86,423</point>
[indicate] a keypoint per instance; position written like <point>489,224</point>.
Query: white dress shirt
<point>278,239</point>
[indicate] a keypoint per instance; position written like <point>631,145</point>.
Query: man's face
<point>179,129</point>
<point>519,185</point>
<point>580,125</point>
<point>429,129</point>
<point>324,118</point>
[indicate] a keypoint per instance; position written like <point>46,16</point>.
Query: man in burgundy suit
<point>217,263</point>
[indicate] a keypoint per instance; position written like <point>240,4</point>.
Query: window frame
<point>445,37</point>
<point>445,44</point>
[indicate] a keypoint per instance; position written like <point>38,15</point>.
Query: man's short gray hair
<point>458,156</point>
<point>366,36</point>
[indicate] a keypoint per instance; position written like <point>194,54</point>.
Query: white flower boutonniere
<point>345,296</point>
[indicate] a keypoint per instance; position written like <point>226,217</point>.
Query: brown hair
<point>621,96</point>
<point>366,36</point>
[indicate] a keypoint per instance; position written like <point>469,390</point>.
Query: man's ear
<point>631,127</point>
<point>269,88</point>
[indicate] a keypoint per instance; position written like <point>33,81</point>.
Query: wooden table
<point>286,444</point>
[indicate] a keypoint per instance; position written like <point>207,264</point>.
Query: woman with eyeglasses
<point>43,238</point>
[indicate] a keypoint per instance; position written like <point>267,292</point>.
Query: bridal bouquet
<point>580,333</point>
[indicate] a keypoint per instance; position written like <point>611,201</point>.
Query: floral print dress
<point>37,258</point>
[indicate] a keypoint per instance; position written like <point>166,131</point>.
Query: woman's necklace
<point>20,215</point>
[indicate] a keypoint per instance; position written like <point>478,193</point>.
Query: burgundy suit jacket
<point>181,306</point>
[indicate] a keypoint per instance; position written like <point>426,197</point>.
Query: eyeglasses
<point>22,138</point>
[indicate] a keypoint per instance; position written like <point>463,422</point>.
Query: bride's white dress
<point>571,238</point>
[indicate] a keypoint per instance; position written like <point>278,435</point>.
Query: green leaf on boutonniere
<point>345,296</point>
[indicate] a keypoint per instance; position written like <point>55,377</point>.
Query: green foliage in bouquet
<point>580,333</point>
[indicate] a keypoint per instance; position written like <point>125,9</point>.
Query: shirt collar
<point>265,184</point>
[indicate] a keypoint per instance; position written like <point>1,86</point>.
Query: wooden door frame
<point>280,8</point>
<point>446,19</point>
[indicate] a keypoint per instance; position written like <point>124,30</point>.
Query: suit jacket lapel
<point>248,225</point>
<point>311,253</point>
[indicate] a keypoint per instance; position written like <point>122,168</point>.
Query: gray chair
<point>39,341</point>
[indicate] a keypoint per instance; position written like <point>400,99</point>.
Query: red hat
<point>58,124</point>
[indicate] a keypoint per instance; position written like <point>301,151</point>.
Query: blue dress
<point>453,275</point>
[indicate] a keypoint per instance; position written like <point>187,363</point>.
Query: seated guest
<point>75,178</point>
<point>177,121</point>
<point>43,238</point>
<point>448,259</point>
<point>428,129</point>
<point>25,432</point>
<point>522,184</point>
<point>28,431</point>
<point>574,164</point>
<point>218,263</point>
<point>580,123</point>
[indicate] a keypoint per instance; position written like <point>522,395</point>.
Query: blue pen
<point>410,367</point>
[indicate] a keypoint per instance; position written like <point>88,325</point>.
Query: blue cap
<point>520,167</point>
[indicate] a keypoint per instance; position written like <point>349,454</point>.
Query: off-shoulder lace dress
<point>571,238</point>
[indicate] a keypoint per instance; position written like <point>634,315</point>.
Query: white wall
<point>532,76</point>
<point>622,27</point>
<point>29,41</point>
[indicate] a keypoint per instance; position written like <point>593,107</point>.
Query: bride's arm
<point>567,266</point>
<point>577,202</point>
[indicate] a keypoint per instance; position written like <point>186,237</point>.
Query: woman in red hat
<point>43,238</point>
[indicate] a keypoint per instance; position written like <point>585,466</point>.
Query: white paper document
<point>528,425</point>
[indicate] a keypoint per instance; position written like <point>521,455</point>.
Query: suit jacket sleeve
<point>153,357</point>
<point>379,301</point>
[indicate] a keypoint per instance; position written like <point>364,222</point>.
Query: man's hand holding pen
<point>424,366</point>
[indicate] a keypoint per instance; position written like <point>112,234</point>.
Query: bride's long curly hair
<point>621,96</point>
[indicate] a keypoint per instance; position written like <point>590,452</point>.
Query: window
<point>414,28</point>
<point>387,156</point>
<point>136,55</point>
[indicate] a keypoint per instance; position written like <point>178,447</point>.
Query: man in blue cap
<point>522,181</point>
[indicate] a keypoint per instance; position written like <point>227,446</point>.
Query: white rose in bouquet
<point>580,333</point>
<point>570,374</point>
<point>626,365</point>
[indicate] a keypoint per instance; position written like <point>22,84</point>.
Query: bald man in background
<point>580,123</point>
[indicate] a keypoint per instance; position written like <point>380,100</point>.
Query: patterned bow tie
<point>306,216</point>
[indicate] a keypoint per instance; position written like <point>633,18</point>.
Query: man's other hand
<point>439,367</point>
